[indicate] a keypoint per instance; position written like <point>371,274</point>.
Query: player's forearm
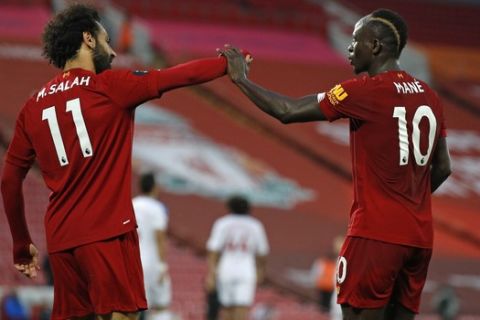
<point>162,245</point>
<point>190,73</point>
<point>261,262</point>
<point>212,262</point>
<point>438,175</point>
<point>441,165</point>
<point>276,105</point>
<point>11,186</point>
<point>162,253</point>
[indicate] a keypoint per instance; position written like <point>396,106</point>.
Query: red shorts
<point>371,273</point>
<point>98,278</point>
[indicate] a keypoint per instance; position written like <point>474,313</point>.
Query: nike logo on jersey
<point>126,221</point>
<point>408,87</point>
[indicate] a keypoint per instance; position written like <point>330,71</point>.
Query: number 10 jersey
<point>395,123</point>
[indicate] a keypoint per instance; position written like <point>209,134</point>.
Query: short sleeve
<point>127,88</point>
<point>443,130</point>
<point>20,152</point>
<point>215,242</point>
<point>349,99</point>
<point>263,247</point>
<point>443,126</point>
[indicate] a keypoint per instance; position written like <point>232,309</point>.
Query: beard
<point>101,59</point>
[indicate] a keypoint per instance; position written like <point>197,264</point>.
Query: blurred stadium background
<point>208,141</point>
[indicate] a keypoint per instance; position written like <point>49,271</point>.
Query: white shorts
<point>159,294</point>
<point>236,292</point>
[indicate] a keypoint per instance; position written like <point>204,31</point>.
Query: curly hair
<point>63,35</point>
<point>147,182</point>
<point>238,204</point>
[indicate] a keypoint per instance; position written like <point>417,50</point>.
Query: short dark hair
<point>393,28</point>
<point>63,35</point>
<point>147,182</point>
<point>238,204</point>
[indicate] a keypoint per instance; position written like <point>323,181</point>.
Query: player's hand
<point>238,62</point>
<point>260,277</point>
<point>163,276</point>
<point>163,271</point>
<point>30,269</point>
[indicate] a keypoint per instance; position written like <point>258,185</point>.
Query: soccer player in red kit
<point>399,157</point>
<point>79,128</point>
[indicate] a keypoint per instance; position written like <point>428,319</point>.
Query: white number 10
<point>50,115</point>
<point>422,111</point>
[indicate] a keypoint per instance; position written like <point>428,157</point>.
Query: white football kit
<point>151,217</point>
<point>238,239</point>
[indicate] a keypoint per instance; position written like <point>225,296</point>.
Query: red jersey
<point>395,123</point>
<point>79,128</point>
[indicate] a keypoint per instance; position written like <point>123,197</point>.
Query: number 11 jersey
<point>79,128</point>
<point>395,123</point>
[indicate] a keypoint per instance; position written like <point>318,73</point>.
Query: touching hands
<point>30,269</point>
<point>238,62</point>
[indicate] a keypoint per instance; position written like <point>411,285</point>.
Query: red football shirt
<point>79,128</point>
<point>395,123</point>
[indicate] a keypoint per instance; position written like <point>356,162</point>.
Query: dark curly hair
<point>147,182</point>
<point>238,204</point>
<point>63,35</point>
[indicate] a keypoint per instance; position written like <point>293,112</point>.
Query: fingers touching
<point>238,62</point>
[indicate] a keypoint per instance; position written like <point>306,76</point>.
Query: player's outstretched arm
<point>441,167</point>
<point>191,73</point>
<point>25,254</point>
<point>283,108</point>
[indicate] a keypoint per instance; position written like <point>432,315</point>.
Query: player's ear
<point>89,40</point>
<point>376,47</point>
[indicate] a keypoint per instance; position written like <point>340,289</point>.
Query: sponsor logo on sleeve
<point>337,94</point>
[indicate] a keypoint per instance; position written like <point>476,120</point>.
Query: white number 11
<point>50,115</point>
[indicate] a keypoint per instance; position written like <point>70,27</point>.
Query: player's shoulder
<point>138,199</point>
<point>358,81</point>
<point>110,74</point>
<point>223,219</point>
<point>252,221</point>
<point>226,220</point>
<point>149,202</point>
<point>220,224</point>
<point>425,88</point>
<point>39,93</point>
<point>348,88</point>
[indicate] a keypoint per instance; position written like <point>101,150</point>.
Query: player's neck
<point>82,60</point>
<point>388,65</point>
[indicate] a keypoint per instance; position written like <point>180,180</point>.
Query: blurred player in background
<point>79,129</point>
<point>152,221</point>
<point>237,250</point>
<point>399,155</point>
<point>324,276</point>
